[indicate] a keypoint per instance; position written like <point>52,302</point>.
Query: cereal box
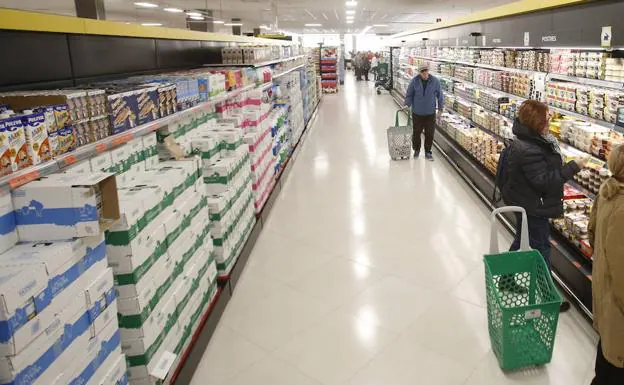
<point>37,142</point>
<point>13,151</point>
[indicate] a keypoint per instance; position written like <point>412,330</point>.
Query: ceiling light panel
<point>351,3</point>
<point>144,4</point>
<point>313,25</point>
<point>173,10</point>
<point>197,17</point>
<point>194,14</point>
<point>350,11</point>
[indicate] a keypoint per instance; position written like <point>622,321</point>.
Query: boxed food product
<point>13,146</point>
<point>67,206</point>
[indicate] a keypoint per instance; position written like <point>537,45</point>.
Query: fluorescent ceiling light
<point>380,25</point>
<point>218,22</point>
<point>173,10</point>
<point>197,17</point>
<point>145,4</point>
<point>351,3</point>
<point>233,24</point>
<point>194,14</point>
<point>350,11</point>
<point>350,17</point>
<point>349,21</point>
<point>264,27</point>
<point>313,25</point>
<point>151,24</point>
<point>366,29</point>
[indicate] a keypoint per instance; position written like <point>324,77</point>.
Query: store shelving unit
<point>571,263</point>
<point>329,68</point>
<point>152,50</point>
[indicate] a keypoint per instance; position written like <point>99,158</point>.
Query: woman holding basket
<point>605,235</point>
<point>536,174</point>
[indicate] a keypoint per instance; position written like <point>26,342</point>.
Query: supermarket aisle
<point>370,273</point>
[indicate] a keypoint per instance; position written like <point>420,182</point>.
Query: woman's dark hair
<point>534,115</point>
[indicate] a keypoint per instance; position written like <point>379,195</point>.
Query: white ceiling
<point>292,15</point>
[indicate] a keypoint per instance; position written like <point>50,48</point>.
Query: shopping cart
<point>400,138</point>
<point>522,301</point>
<point>382,81</point>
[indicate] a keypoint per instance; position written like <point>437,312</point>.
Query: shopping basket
<point>522,323</point>
<point>400,139</point>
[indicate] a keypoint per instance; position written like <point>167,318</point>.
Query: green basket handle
<point>396,118</point>
<point>524,232</point>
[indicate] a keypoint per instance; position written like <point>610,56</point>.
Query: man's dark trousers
<point>422,123</point>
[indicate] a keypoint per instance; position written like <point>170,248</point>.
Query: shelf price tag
<point>122,139</point>
<point>606,37</point>
<point>69,160</point>
<point>101,147</point>
<point>23,179</point>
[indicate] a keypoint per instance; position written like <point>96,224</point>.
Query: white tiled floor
<point>369,272</point>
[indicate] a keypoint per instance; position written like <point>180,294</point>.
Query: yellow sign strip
<point>11,19</point>
<point>510,9</point>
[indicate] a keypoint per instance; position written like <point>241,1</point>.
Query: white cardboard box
<point>102,162</point>
<point>45,349</point>
<point>8,230</point>
<point>112,371</point>
<point>66,207</point>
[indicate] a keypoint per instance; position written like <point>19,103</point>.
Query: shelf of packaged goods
<point>570,268</point>
<point>583,190</point>
<point>480,127</point>
<point>480,65</point>
<point>288,71</point>
<point>586,118</point>
<point>260,64</point>
<point>481,86</point>
<point>29,174</point>
<point>585,81</point>
<point>494,112</point>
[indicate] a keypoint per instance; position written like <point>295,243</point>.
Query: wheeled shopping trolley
<point>400,139</point>
<point>522,301</point>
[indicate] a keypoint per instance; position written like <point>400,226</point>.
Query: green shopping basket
<point>522,301</point>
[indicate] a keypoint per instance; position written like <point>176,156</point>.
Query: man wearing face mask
<point>424,96</point>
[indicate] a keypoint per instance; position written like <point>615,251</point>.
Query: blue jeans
<point>539,236</point>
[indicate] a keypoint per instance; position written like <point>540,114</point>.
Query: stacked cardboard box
<point>58,317</point>
<point>162,257</point>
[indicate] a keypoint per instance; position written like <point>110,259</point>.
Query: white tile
<point>274,320</point>
<point>404,363</point>
<point>227,354</point>
<point>454,328</point>
<point>392,303</point>
<point>281,257</point>
<point>271,371</point>
<point>337,281</point>
<point>333,350</point>
<point>472,288</point>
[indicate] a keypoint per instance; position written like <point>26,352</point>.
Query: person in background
<point>374,65</point>
<point>366,66</point>
<point>606,222</point>
<point>536,174</point>
<point>357,65</point>
<point>424,96</point>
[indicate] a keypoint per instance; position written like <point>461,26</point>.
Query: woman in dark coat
<point>535,177</point>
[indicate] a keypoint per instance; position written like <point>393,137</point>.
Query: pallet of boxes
<point>162,256</point>
<point>58,303</point>
<point>225,171</point>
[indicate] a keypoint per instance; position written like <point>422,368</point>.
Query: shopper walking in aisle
<point>374,65</point>
<point>424,96</point>
<point>605,236</point>
<point>535,175</point>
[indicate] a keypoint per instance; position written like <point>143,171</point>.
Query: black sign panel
<point>105,55</point>
<point>33,57</point>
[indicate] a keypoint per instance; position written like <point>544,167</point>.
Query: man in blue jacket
<point>422,94</point>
